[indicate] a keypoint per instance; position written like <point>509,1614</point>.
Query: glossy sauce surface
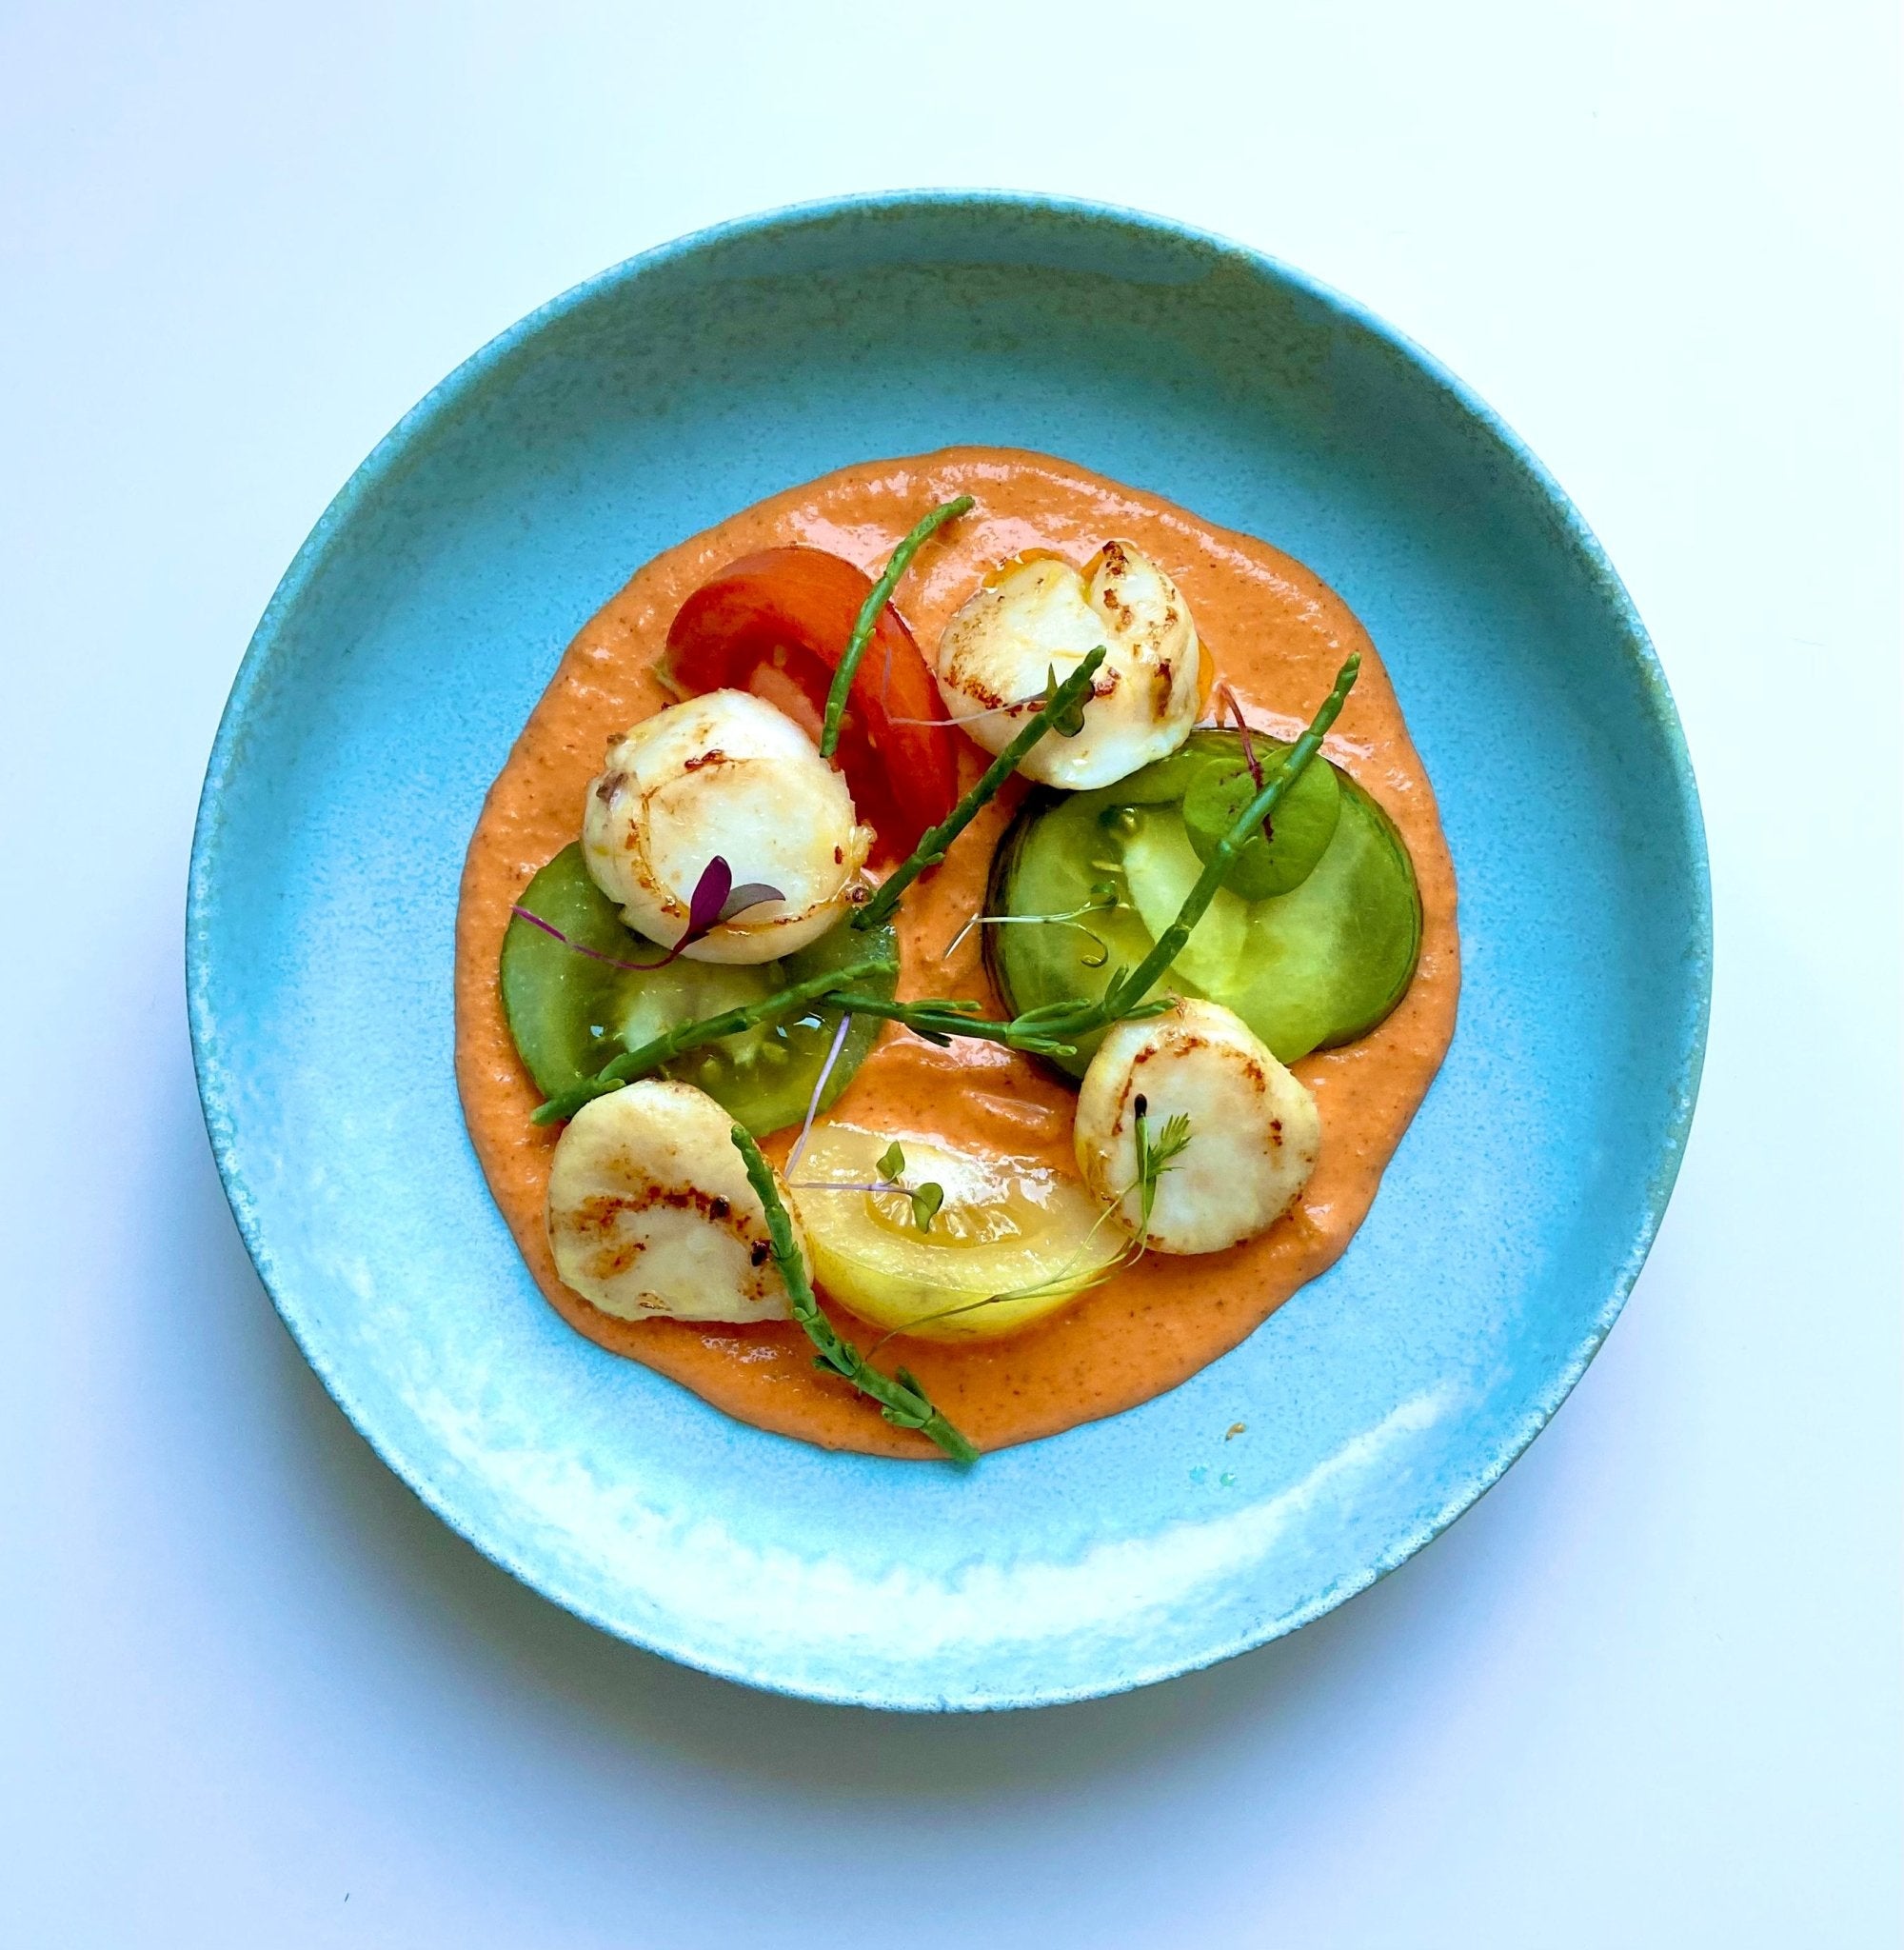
<point>1276,635</point>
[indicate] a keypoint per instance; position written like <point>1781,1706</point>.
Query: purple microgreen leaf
<point>716,899</point>
<point>709,898</point>
<point>1235,709</point>
<point>892,1162</point>
<point>753,893</point>
<point>926,1203</point>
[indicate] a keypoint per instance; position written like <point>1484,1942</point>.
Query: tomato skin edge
<point>777,623</point>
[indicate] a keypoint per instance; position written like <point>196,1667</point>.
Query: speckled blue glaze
<point>421,620</point>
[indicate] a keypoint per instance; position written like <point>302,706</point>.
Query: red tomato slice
<point>777,624</point>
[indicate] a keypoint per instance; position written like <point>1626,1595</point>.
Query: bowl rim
<point>442,401</point>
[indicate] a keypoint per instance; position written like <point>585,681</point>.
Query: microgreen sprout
<point>818,1091</point>
<point>1035,702</point>
<point>940,1019</point>
<point>580,948</point>
<point>1154,1156</point>
<point>1103,898</point>
<point>1227,698</point>
<point>925,1199</point>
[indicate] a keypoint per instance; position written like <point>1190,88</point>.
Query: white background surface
<point>1646,1694</point>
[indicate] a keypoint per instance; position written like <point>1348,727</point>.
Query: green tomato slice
<point>570,1011</point>
<point>1319,964</point>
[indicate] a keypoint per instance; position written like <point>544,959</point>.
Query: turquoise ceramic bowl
<point>416,628</point>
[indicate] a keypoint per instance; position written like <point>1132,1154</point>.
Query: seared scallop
<point>650,1212</point>
<point>1252,1132</point>
<point>1040,614</point>
<point>724,774</point>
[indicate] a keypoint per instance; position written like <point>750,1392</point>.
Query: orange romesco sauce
<point>1277,635</point>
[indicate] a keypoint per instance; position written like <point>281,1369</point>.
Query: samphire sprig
<point>1123,999</point>
<point>696,1035</point>
<point>868,621</point>
<point>1062,712</point>
<point>902,1401</point>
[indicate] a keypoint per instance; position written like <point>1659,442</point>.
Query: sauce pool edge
<point>1277,635</point>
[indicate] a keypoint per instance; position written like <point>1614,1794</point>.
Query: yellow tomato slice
<point>1012,1242</point>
